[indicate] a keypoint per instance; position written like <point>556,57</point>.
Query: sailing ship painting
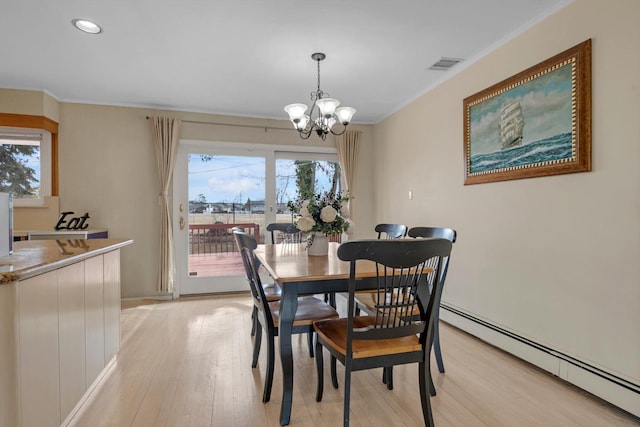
<point>528,125</point>
<point>511,125</point>
<point>532,124</point>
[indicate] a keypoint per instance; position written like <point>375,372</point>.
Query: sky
<point>236,179</point>
<point>546,106</point>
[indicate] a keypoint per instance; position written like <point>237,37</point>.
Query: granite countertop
<point>34,257</point>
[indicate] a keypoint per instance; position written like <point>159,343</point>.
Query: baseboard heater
<point>614,389</point>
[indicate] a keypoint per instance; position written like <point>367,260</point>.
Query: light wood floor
<point>188,363</point>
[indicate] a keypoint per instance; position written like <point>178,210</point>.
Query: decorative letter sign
<point>73,223</point>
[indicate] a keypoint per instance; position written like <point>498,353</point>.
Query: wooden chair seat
<point>369,302</point>
<point>334,334</point>
<point>309,309</point>
<point>272,291</point>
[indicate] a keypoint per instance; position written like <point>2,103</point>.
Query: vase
<point>318,245</point>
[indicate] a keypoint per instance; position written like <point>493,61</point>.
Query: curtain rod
<point>232,124</point>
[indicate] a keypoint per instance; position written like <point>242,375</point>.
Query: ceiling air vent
<point>444,64</point>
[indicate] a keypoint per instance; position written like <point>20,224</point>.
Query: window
<point>303,174</point>
<point>25,164</point>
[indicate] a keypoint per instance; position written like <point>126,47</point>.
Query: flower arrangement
<point>320,213</point>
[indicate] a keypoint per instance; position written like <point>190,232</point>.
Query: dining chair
<point>392,336</point>
<point>272,290</point>
<point>284,232</point>
<point>451,235</point>
<point>267,312</point>
<point>391,231</point>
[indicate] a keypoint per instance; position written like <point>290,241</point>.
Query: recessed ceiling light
<point>86,26</point>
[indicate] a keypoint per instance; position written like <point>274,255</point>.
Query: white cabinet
<point>68,330</point>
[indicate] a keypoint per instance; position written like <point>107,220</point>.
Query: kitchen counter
<point>34,257</point>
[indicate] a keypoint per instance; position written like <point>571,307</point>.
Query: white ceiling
<point>250,57</point>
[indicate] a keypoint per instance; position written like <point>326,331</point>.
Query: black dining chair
<point>272,291</point>
<point>366,301</point>
<point>267,313</point>
<point>286,232</point>
<point>392,336</point>
<point>451,235</point>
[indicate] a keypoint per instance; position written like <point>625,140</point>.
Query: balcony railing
<point>217,238</point>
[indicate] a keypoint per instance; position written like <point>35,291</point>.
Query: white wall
<point>555,259</point>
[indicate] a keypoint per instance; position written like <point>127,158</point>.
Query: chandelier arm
<point>344,129</point>
<point>304,135</point>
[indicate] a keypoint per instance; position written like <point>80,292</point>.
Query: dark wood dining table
<point>298,273</point>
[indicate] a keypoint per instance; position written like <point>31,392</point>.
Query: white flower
<point>305,223</point>
<point>328,214</point>
<point>304,211</point>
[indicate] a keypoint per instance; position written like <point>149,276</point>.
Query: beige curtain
<point>165,133</point>
<point>347,145</point>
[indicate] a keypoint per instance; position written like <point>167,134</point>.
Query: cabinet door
<point>38,350</point>
<point>72,336</point>
<point>94,317</point>
<point>111,304</point>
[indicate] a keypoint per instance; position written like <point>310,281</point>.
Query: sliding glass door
<point>218,187</point>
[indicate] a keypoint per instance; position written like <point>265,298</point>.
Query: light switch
<point>410,195</point>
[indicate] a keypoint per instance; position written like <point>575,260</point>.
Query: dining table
<point>298,273</point>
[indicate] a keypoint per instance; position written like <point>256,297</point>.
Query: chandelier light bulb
<point>327,106</point>
<point>304,121</point>
<point>296,112</point>
<point>345,114</point>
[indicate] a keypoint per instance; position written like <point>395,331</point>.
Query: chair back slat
<point>405,271</point>
<point>391,231</point>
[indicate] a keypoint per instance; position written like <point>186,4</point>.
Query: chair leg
<point>257,340</point>
<point>310,342</point>
<point>432,387</point>
<point>254,320</point>
<point>387,377</point>
<point>334,375</point>
<point>347,392</point>
<point>436,346</point>
<point>268,381</point>
<point>320,371</point>
<point>425,399</point>
<point>330,298</point>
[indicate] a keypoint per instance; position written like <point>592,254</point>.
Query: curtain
<point>347,145</point>
<point>165,132</point>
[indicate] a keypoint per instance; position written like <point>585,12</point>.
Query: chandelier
<point>328,117</point>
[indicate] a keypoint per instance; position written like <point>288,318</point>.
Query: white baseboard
<point>606,386</point>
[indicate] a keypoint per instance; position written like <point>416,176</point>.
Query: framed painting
<point>535,123</point>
